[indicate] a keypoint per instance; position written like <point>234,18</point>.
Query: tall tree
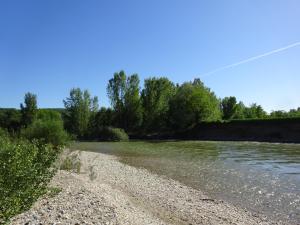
<point>79,109</point>
<point>239,111</point>
<point>229,107</point>
<point>132,104</point>
<point>116,89</point>
<point>124,96</point>
<point>10,119</point>
<point>29,109</point>
<point>254,112</point>
<point>193,103</point>
<point>155,96</point>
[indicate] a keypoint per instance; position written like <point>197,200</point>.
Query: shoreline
<point>107,191</point>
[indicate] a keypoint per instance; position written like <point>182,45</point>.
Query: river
<point>261,177</point>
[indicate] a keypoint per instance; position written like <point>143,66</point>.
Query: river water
<point>261,177</point>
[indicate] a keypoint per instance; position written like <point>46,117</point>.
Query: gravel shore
<point>109,192</point>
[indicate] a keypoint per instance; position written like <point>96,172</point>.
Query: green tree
<point>254,112</point>
<point>104,117</point>
<point>294,112</point>
<point>10,119</point>
<point>155,96</point>
<point>47,127</point>
<point>239,111</point>
<point>124,96</point>
<point>229,107</point>
<point>79,109</point>
<point>116,89</point>
<point>279,114</point>
<point>29,109</point>
<point>193,103</point>
<point>132,104</point>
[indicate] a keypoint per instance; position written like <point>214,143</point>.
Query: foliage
<point>229,107</point>
<point>254,111</point>
<point>71,163</point>
<point>193,103</point>
<point>29,109</point>
<point>112,134</point>
<point>233,110</point>
<point>104,117</point>
<point>53,191</point>
<point>80,107</point>
<point>284,114</point>
<point>3,133</point>
<point>123,93</point>
<point>25,170</point>
<point>155,96</point>
<point>48,128</point>
<point>10,119</point>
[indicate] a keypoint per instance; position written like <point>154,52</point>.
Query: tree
<point>229,107</point>
<point>10,119</point>
<point>47,127</point>
<point>279,114</point>
<point>124,96</point>
<point>254,112</point>
<point>294,112</point>
<point>239,111</point>
<point>104,117</point>
<point>80,107</point>
<point>155,96</point>
<point>132,104</point>
<point>193,103</point>
<point>116,89</point>
<point>29,109</point>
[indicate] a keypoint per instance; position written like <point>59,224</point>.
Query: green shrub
<point>112,134</point>
<point>71,163</point>
<point>46,131</point>
<point>25,170</point>
<point>3,133</point>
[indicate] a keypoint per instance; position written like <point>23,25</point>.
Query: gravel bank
<point>109,192</point>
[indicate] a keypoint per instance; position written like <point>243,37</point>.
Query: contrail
<point>251,59</point>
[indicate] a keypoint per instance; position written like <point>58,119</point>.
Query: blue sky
<point>48,47</point>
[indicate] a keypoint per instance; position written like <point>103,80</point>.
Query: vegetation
<point>48,128</point>
<point>25,169</point>
<point>192,104</point>
<point>160,107</point>
<point>28,148</point>
<point>112,134</point>
<point>71,163</point>
<point>80,108</point>
<point>124,95</point>
<point>156,97</point>
<point>29,109</point>
<point>31,138</point>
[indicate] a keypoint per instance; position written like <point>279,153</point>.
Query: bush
<point>3,133</point>
<point>112,134</point>
<point>47,132</point>
<point>48,128</point>
<point>25,170</point>
<point>71,163</point>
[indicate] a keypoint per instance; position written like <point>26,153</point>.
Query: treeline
<point>159,107</point>
<point>31,123</point>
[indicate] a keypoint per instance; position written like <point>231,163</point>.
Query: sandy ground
<point>109,192</point>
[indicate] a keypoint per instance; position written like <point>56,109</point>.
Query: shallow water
<point>261,177</point>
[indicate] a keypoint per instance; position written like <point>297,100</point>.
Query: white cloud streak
<point>250,59</point>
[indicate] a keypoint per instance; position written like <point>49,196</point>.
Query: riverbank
<point>109,192</point>
<point>280,130</point>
